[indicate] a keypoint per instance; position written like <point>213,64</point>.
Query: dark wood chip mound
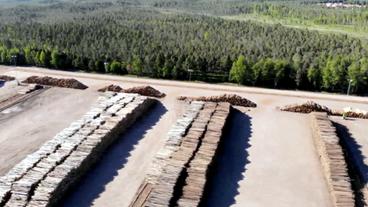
<point>233,99</point>
<point>64,83</point>
<point>6,78</point>
<point>112,88</point>
<point>145,91</point>
<point>306,108</point>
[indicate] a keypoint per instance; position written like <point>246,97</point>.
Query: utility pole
<point>14,59</point>
<point>106,64</point>
<point>190,74</point>
<point>350,81</point>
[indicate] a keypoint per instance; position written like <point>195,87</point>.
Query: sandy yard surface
<point>268,157</point>
<point>26,126</point>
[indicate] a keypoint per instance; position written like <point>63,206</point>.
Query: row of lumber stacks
<point>164,191</point>
<point>199,166</point>
<point>180,169</point>
<point>174,139</point>
<point>43,177</point>
<point>332,160</point>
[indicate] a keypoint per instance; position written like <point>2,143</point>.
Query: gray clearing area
<point>26,126</point>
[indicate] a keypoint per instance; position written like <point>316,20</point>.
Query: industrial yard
<point>91,148</point>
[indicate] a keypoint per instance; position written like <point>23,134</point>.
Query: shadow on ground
<point>2,83</point>
<point>114,159</point>
<point>230,163</point>
<point>358,170</point>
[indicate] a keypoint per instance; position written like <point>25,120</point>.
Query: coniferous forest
<point>167,39</point>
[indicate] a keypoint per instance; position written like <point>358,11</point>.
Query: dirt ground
<point>26,126</point>
<point>269,157</point>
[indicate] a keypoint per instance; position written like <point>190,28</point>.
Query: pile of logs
<point>49,81</point>
<point>6,78</point>
<point>141,90</point>
<point>233,99</point>
<point>306,108</point>
<point>112,88</point>
<point>311,106</point>
<point>145,91</point>
<point>351,114</point>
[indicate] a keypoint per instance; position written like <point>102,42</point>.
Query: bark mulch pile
<point>64,83</point>
<point>6,78</point>
<point>306,108</point>
<point>229,98</point>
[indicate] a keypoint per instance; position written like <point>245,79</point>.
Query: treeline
<point>124,39</point>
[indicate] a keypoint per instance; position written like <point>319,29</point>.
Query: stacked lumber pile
<point>306,108</point>
<point>233,99</point>
<point>332,160</point>
<point>174,139</point>
<point>112,88</point>
<point>49,81</point>
<point>199,166</point>
<point>6,78</point>
<point>183,164</point>
<point>43,177</point>
<point>163,191</point>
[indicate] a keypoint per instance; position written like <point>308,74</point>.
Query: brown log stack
<point>233,99</point>
<point>6,78</point>
<point>307,108</point>
<point>64,83</point>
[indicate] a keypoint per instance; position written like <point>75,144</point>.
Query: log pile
<point>332,160</point>
<point>145,91</point>
<point>183,164</point>
<point>351,114</point>
<point>141,90</point>
<point>6,78</point>
<point>307,108</point>
<point>233,99</point>
<point>43,177</point>
<point>311,106</point>
<point>112,88</point>
<point>49,81</point>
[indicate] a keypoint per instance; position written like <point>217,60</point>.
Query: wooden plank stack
<point>199,166</point>
<point>332,160</point>
<point>43,177</point>
<point>181,177</point>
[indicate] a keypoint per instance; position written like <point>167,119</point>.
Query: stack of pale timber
<point>183,164</point>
